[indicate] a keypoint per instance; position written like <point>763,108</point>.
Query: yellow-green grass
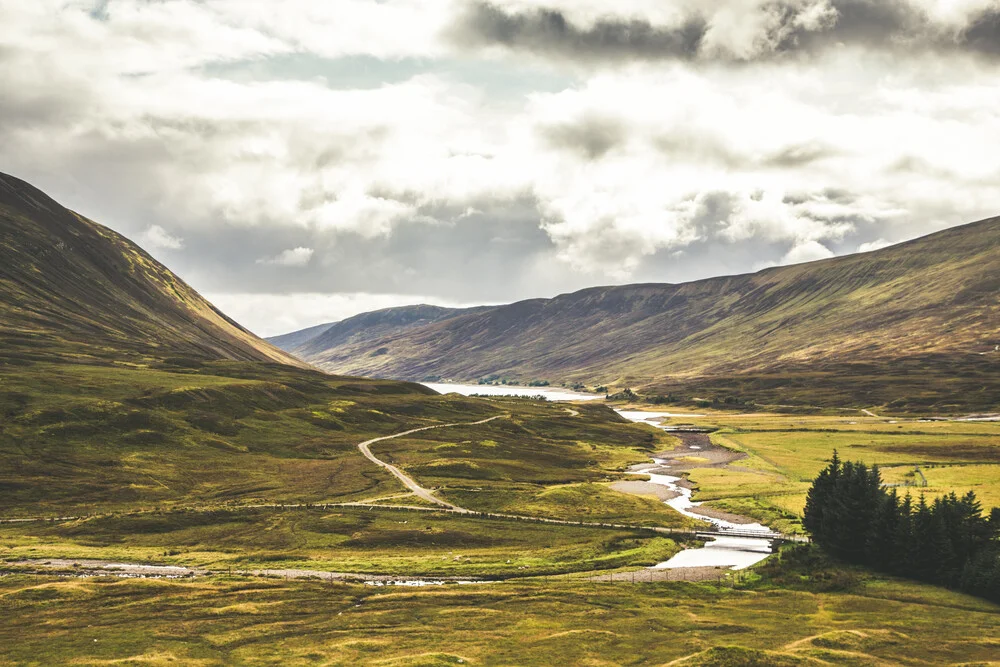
<point>803,454</point>
<point>792,502</point>
<point>984,480</point>
<point>380,541</point>
<point>589,502</point>
<point>235,621</point>
<point>715,483</point>
<point>539,462</point>
<point>79,439</point>
<point>785,452</point>
<point>767,510</point>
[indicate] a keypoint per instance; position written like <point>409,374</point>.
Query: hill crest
<point>73,289</point>
<point>927,303</point>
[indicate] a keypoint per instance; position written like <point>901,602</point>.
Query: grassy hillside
<point>122,388</point>
<point>73,290</point>
<point>138,425</point>
<point>363,329</point>
<point>915,323</point>
<point>80,438</point>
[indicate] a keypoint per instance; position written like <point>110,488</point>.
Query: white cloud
<point>874,245</point>
<point>158,238</point>
<point>291,257</point>
<point>630,162</point>
<point>396,29</point>
<point>806,251</point>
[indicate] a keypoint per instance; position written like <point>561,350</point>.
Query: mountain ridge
<point>72,288</point>
<point>930,299</point>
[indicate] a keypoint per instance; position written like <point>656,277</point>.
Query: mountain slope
<point>928,307</point>
<point>70,288</point>
<point>121,385</point>
<point>296,339</point>
<point>364,328</point>
<point>122,389</point>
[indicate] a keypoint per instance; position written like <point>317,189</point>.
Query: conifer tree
<point>948,541</point>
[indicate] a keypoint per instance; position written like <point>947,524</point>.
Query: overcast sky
<point>301,161</point>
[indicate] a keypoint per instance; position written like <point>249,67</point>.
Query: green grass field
<point>163,463</point>
<point>84,439</point>
<point>353,540</point>
<point>785,452</point>
<point>840,617</point>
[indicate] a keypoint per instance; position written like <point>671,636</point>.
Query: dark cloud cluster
<point>790,27</point>
<point>983,34</point>
<point>591,137</point>
<point>549,31</point>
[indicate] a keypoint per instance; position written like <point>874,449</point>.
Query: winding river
<point>722,551</point>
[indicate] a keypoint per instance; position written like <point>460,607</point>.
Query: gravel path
<point>408,481</point>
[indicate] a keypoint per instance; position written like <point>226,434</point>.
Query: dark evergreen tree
<point>880,542</point>
<point>948,541</point>
<point>819,497</point>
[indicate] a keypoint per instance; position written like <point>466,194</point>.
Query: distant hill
<point>913,325</point>
<point>73,289</point>
<point>296,339</point>
<point>362,329</point>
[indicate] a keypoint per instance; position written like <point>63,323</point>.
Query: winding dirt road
<point>408,481</point>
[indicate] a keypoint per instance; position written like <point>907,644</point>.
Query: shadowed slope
<point>73,289</point>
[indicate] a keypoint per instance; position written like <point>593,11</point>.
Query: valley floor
<point>235,621</point>
<point>534,497</point>
<point>774,458</point>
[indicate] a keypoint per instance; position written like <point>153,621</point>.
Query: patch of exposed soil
<point>720,514</point>
<point>966,452</point>
<point>696,446</point>
<point>645,489</point>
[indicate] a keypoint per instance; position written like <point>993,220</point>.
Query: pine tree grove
<point>947,542</point>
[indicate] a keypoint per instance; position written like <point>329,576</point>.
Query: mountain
<point>120,386</point>
<point>296,339</point>
<point>71,288</point>
<point>360,330</point>
<point>915,324</point>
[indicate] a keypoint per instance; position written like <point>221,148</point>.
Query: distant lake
<point>550,393</point>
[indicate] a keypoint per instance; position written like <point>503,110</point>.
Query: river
<point>550,393</point>
<point>722,551</point>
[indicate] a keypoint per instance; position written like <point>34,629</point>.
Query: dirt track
<point>408,481</point>
<point>105,568</point>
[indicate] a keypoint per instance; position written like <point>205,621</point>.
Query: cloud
<point>642,140</point>
<point>160,239</point>
<point>983,32</point>
<point>592,137</point>
<point>874,245</point>
<point>727,30</point>
<point>292,257</point>
<point>806,251</point>
<point>549,31</point>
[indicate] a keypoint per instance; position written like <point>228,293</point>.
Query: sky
<point>302,161</point>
